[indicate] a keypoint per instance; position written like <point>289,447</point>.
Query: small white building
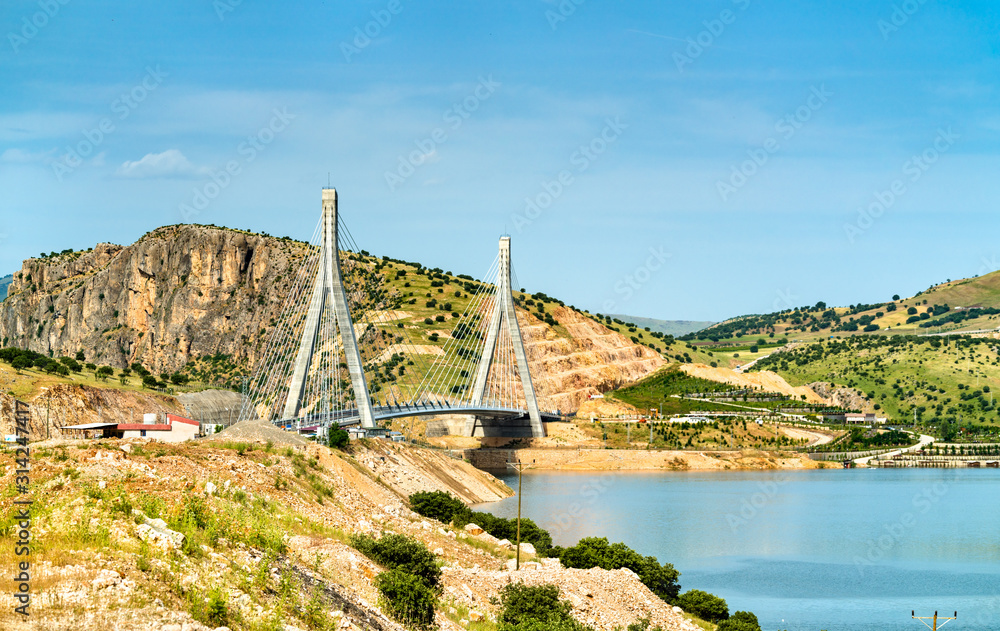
<point>853,418</point>
<point>175,429</point>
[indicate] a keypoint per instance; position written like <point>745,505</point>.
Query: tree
<point>895,296</point>
<point>149,381</point>
<point>80,356</point>
<point>740,621</point>
<point>399,552</point>
<point>338,438</point>
<point>21,362</point>
<point>534,607</point>
<point>598,552</point>
<point>406,598</point>
<point>436,505</point>
<point>104,372</point>
<point>704,605</point>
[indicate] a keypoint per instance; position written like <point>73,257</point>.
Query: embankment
<point>638,460</point>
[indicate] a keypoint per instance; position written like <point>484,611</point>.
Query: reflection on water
<point>804,550</point>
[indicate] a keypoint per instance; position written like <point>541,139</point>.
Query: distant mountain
<point>667,327</point>
<point>4,282</point>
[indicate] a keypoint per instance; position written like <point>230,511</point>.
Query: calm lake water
<point>804,550</point>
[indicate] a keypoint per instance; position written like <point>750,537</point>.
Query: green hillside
<point>947,383</point>
<point>954,306</point>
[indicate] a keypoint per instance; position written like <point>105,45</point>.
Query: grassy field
<point>722,434</point>
<point>943,381</point>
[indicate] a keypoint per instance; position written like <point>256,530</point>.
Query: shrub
<point>436,505</point>
<point>338,438</point>
<point>597,552</point>
<point>704,605</point>
<point>502,528</point>
<point>535,608</point>
<point>406,598</point>
<point>399,552</point>
<point>740,621</point>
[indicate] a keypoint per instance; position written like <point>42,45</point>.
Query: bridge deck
<point>351,417</point>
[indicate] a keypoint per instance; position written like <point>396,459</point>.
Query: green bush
<point>597,552</point>
<point>704,605</point>
<point>436,505</point>
<point>503,528</point>
<point>338,438</point>
<point>535,608</point>
<point>740,621</point>
<point>406,598</point>
<point>399,552</point>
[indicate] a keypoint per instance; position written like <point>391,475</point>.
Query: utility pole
<point>935,619</point>
<point>520,466</point>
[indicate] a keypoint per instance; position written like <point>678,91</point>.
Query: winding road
<point>924,441</point>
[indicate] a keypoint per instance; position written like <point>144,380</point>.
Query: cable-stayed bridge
<point>345,351</point>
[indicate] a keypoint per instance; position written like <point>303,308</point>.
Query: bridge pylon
<point>328,293</point>
<point>504,317</point>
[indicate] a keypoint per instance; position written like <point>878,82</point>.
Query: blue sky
<point>692,160</point>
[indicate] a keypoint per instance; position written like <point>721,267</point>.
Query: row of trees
<point>23,359</point>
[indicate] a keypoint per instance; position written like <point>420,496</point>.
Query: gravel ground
<point>260,431</point>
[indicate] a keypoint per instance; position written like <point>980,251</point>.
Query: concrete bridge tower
<point>504,316</point>
<point>328,292</point>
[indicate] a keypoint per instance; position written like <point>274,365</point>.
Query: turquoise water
<point>804,550</point>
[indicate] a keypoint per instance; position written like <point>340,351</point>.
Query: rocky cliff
<point>186,293</point>
<point>179,293</point>
<point>590,359</point>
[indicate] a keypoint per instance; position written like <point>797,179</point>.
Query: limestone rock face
<point>178,293</point>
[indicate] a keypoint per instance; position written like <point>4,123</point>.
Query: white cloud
<point>170,163</point>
